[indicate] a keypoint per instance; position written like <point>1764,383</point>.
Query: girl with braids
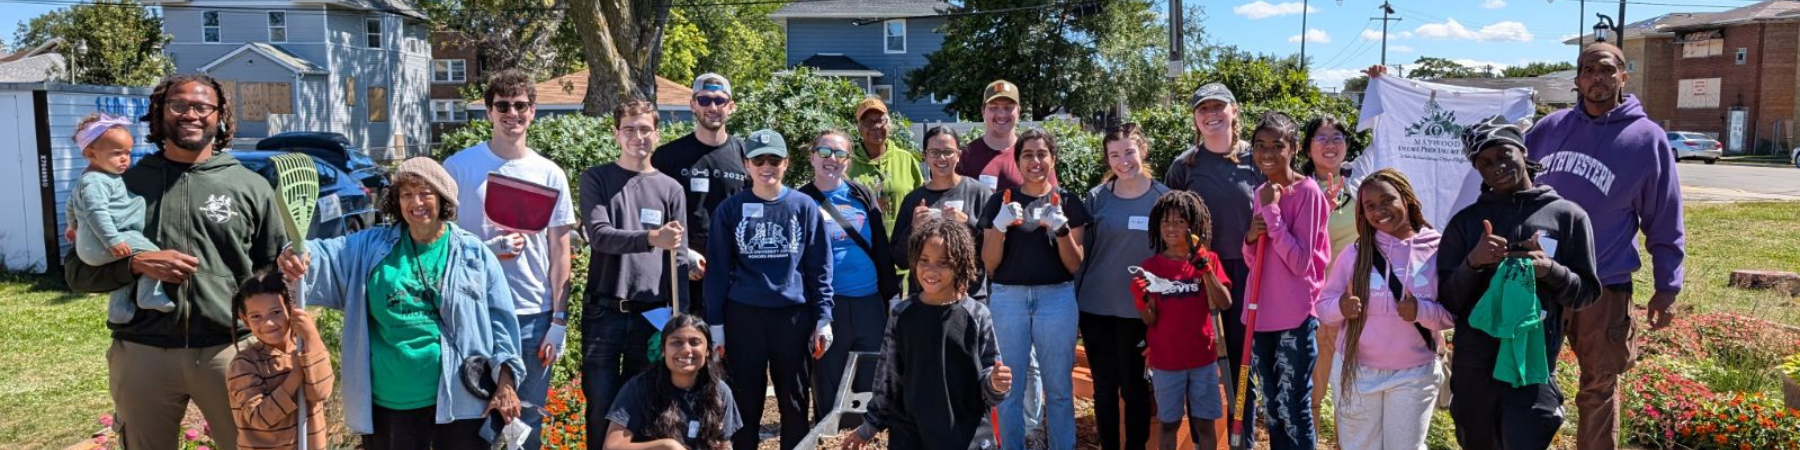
<point>1385,302</point>
<point>1178,306</point>
<point>682,403</point>
<point>1288,248</point>
<point>940,369</point>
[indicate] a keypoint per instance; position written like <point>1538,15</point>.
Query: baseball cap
<point>1000,89</point>
<point>712,82</point>
<point>869,104</point>
<point>765,142</point>
<point>1488,132</point>
<point>1211,91</point>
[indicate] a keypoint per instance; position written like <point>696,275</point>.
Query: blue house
<point>873,43</point>
<point>362,68</point>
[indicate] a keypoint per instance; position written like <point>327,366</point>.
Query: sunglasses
<point>766,160</point>
<point>831,153</point>
<point>508,107</point>
<point>711,100</point>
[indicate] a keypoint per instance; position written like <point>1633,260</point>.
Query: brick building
<point>455,62</point>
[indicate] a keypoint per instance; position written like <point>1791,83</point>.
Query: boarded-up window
<point>256,101</point>
<point>350,91</point>
<point>378,108</point>
<point>1698,93</point>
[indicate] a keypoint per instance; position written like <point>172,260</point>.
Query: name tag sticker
<point>693,429</point>
<point>991,181</point>
<point>753,210</point>
<point>1141,223</point>
<point>1549,244</point>
<point>699,184</point>
<point>651,217</point>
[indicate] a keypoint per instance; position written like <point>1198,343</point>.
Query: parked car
<point>1795,157</point>
<point>1691,145</point>
<point>345,206</point>
<point>335,149</point>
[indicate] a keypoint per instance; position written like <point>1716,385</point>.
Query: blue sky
<point>1343,40</point>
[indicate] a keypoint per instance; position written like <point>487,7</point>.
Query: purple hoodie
<point>1620,168</point>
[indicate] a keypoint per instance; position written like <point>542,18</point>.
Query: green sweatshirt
<point>217,211</point>
<point>892,175</point>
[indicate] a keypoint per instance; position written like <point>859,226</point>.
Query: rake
<point>297,196</point>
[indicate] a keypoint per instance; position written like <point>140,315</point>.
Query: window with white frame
<point>1743,54</point>
<point>945,100</point>
<point>449,71</point>
<point>885,92</point>
<point>209,26</point>
<point>894,35</point>
<point>373,31</point>
<point>277,26</point>
<point>449,111</point>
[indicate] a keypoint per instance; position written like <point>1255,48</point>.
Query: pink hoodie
<point>1299,249</point>
<point>1389,343</point>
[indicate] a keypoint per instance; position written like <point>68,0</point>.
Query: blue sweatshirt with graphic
<point>767,253</point>
<point>1621,169</point>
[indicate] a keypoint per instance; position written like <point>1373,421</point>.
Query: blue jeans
<point>1284,361</point>
<point>1042,319</point>
<point>614,348</point>
<point>536,385</point>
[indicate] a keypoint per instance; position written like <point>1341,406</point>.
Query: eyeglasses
<point>940,153</point>
<point>831,153</point>
<point>1339,139</point>
<point>181,107</point>
<point>711,100</point>
<point>766,160</point>
<point>508,107</point>
<point>637,131</point>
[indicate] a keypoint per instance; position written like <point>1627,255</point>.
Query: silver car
<point>1795,156</point>
<point>1691,145</point>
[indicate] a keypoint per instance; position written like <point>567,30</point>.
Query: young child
<point>940,366</point>
<point>107,220</point>
<point>265,377</point>
<point>1188,284</point>
<point>1287,247</point>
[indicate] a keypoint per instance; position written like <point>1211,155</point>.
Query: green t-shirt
<point>892,175</point>
<point>405,354</point>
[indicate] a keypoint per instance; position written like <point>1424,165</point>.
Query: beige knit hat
<point>432,173</point>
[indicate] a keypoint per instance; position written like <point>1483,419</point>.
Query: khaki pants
<point>151,387</point>
<point>1603,338</point>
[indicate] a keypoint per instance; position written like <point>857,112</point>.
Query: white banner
<point>1418,130</point>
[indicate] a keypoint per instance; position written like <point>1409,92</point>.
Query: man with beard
<point>219,223</point>
<point>536,264</point>
<point>989,157</point>
<point>709,164</point>
<point>879,163</point>
<point>1607,156</point>
<point>630,211</point>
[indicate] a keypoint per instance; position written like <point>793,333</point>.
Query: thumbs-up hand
<point>923,213</point>
<point>1052,217</point>
<point>1489,250</point>
<point>1011,213</point>
<point>1001,379</point>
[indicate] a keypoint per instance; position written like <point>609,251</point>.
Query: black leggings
<point>1493,415</point>
<point>1116,357</point>
<point>417,429</point>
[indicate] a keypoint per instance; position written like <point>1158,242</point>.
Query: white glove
<point>718,335</point>
<point>821,338</point>
<point>694,256</point>
<point>1010,214</point>
<point>1052,218</point>
<point>554,342</point>
<point>507,245</point>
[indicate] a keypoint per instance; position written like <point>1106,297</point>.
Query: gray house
<point>873,43</point>
<point>358,67</point>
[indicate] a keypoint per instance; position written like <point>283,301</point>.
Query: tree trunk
<point>620,37</point>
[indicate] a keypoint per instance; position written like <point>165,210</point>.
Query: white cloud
<point>1498,32</point>
<point>1400,49</point>
<point>1494,4</point>
<point>1260,9</point>
<point>1372,35</point>
<point>1313,35</point>
<point>1482,66</point>
<point>1405,34</point>
<point>1333,79</point>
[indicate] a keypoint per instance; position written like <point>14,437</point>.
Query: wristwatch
<point>559,315</point>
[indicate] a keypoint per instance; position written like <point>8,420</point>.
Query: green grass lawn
<point>53,344</point>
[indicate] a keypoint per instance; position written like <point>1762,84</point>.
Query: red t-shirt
<point>1183,336</point>
<point>995,168</point>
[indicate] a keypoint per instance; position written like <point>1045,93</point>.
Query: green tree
<point>735,40</point>
<point>1537,69</point>
<point>108,42</point>
<point>801,104</point>
<point>1078,58</point>
<point>1428,67</point>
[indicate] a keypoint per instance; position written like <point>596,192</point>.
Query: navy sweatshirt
<point>767,253</point>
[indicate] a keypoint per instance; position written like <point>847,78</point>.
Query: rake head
<point>297,194</point>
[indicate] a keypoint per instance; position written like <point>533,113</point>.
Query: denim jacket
<point>476,316</point>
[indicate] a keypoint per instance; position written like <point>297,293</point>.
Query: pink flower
<point>203,448</point>
<point>106,420</point>
<point>100,440</point>
<point>192,435</point>
<point>205,427</point>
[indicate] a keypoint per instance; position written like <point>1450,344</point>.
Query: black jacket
<point>887,281</point>
<point>1572,284</point>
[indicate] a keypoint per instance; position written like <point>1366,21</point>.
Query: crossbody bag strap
<point>1393,282</point>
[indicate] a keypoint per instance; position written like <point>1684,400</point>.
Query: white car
<point>1691,145</point>
<point>1795,157</point>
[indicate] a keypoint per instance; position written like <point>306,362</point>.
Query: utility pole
<point>1619,28</point>
<point>1177,48</point>
<point>1386,10</point>
<point>1304,6</point>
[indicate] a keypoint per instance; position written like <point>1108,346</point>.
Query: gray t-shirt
<point>1227,187</point>
<point>1118,238</point>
